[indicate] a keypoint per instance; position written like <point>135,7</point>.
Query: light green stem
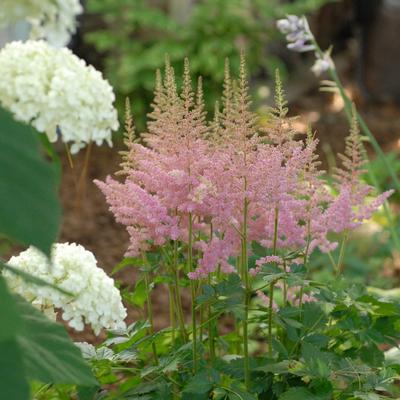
<point>271,286</point>
<point>245,277</point>
<point>172,312</point>
<point>150,315</point>
<point>339,270</point>
<point>193,294</point>
<point>178,300</point>
<point>305,262</point>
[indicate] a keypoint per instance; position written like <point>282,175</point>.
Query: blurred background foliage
<point>133,37</point>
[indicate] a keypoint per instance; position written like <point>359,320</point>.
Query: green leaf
<point>49,356</point>
<point>29,211</point>
<point>10,322</point>
<point>297,393</point>
<point>32,279</point>
<point>200,384</point>
<point>13,382</point>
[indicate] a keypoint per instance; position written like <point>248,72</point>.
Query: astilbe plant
<point>235,209</point>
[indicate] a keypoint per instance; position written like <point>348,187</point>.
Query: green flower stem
<point>178,300</point>
<point>284,285</point>
<point>339,269</point>
<point>150,315</point>
<point>210,330</point>
<point>271,287</point>
<point>172,312</point>
<point>193,294</point>
<point>245,278</point>
<point>305,262</point>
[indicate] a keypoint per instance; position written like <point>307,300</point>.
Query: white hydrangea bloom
<point>55,91</point>
<point>52,20</point>
<point>96,300</point>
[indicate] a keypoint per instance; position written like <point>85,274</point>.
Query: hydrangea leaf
<point>49,356</point>
<point>13,382</point>
<point>29,211</point>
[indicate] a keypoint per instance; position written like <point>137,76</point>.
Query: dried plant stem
<point>81,187</point>
<point>70,162</point>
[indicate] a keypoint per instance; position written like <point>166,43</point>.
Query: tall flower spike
<point>129,140</point>
<point>244,118</point>
<point>187,92</point>
<point>215,125</point>
<point>170,82</point>
<point>280,101</point>
<point>227,95</point>
<point>280,129</point>
<point>352,159</point>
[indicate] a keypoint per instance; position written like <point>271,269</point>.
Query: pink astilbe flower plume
<point>189,175</point>
<point>351,207</point>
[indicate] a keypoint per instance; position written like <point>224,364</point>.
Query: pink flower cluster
<point>222,180</point>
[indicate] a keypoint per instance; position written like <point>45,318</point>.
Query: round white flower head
<point>52,20</point>
<point>57,92</point>
<point>96,301</point>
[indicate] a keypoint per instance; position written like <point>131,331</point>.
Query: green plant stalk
<point>245,277</point>
<point>193,294</point>
<point>237,322</point>
<point>201,323</point>
<point>172,311</point>
<point>210,330</point>
<point>271,286</point>
<point>305,262</point>
<point>339,270</point>
<point>284,285</point>
<point>178,301</point>
<point>150,315</point>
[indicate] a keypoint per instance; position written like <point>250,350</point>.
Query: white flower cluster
<point>57,92</point>
<point>52,20</point>
<point>95,300</point>
<point>301,39</point>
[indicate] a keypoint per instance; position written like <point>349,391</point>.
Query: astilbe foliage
<point>185,171</point>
